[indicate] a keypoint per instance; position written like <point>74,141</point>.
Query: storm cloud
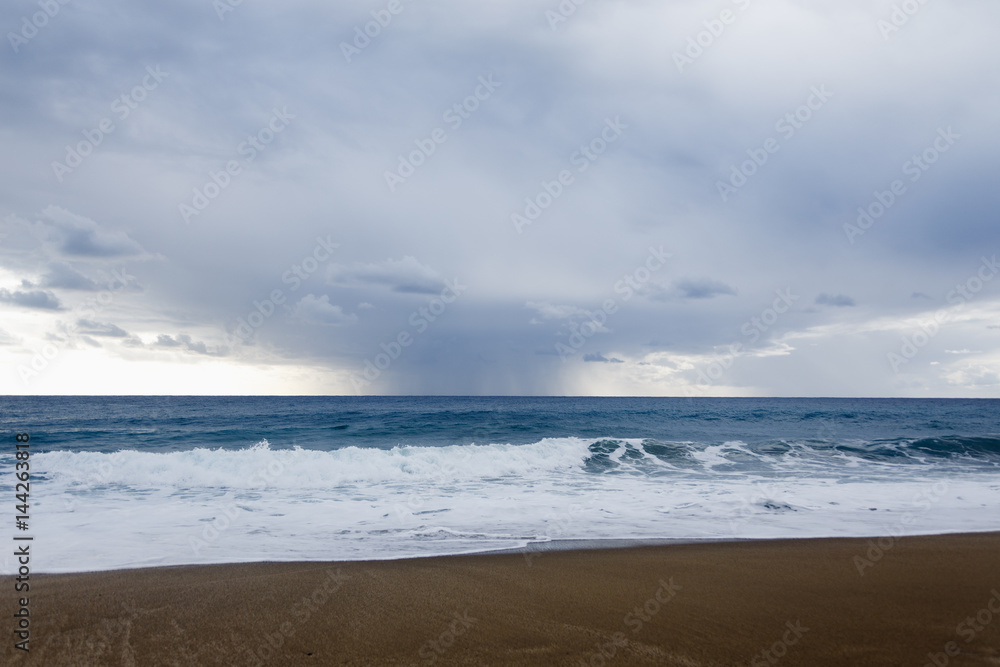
<point>238,198</point>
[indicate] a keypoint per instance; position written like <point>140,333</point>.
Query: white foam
<point>712,456</point>
<point>260,466</point>
<point>93,511</point>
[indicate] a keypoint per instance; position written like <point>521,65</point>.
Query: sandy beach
<point>913,601</point>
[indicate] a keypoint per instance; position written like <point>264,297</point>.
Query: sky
<point>517,197</point>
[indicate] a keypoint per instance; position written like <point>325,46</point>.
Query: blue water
<point>128,481</point>
<point>168,423</point>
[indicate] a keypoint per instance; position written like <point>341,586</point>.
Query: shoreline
<point>539,547</point>
<point>816,601</point>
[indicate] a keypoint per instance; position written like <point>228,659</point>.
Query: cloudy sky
<point>737,197</point>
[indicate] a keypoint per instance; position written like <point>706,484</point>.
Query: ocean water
<point>142,481</point>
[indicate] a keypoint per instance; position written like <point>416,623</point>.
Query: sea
<point>125,482</point>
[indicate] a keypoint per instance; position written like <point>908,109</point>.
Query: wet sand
<point>914,601</point>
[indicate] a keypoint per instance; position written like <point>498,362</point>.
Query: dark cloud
<point>185,342</point>
<point>598,357</point>
<point>163,340</point>
<point>62,275</point>
<point>90,341</point>
<point>104,329</point>
<point>251,254</point>
<point>838,300</point>
<point>82,236</point>
<point>40,299</point>
<point>703,289</point>
<point>405,275</point>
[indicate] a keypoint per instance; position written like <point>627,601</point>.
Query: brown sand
<point>704,604</point>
